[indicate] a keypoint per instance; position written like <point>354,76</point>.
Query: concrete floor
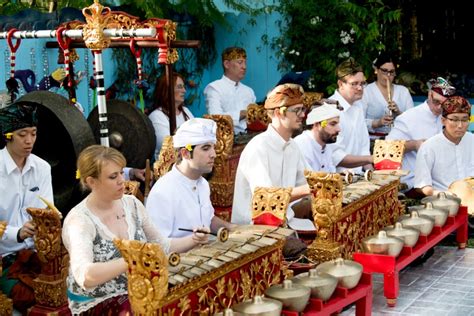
<point>443,285</point>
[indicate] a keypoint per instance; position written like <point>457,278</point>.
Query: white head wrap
<point>195,131</point>
<point>321,113</point>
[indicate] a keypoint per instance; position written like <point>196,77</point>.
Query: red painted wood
<point>390,266</point>
<point>361,295</point>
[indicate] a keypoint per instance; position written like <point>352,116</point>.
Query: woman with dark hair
<point>160,116</point>
<point>383,99</point>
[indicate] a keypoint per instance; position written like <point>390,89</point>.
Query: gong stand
<point>148,43</point>
<point>96,34</point>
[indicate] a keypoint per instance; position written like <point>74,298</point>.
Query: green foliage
<point>319,34</point>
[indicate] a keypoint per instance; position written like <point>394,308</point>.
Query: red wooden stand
<point>361,295</point>
<point>390,266</point>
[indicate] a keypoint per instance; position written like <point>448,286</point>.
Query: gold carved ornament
<point>310,98</point>
<point>225,135</point>
<point>326,205</point>
<point>270,203</point>
<point>388,154</point>
<point>251,281</point>
<point>257,116</point>
<point>166,158</point>
<point>147,275</point>
<point>97,18</point>
<point>133,188</point>
<point>50,285</point>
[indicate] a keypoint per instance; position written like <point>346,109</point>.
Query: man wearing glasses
<point>352,148</point>
<point>418,124</point>
<point>449,155</point>
<point>272,158</point>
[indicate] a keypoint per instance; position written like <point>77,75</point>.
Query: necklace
<point>119,217</point>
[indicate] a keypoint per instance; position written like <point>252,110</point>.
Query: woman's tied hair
<point>348,67</point>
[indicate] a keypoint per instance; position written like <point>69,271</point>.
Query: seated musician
<point>418,124</point>
<point>352,148</point>
<point>323,121</point>
<point>181,198</point>
<point>272,158</point>
<point>449,155</point>
<point>23,177</point>
<point>229,95</point>
<point>97,281</point>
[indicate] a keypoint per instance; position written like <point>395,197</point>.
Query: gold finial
<point>51,206</point>
<point>97,16</point>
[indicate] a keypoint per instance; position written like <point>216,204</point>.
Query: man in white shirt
<point>23,178</point>
<point>449,155</point>
<point>324,122</point>
<point>272,158</point>
<point>229,95</point>
<point>181,198</point>
<point>418,124</point>
<point>352,148</point>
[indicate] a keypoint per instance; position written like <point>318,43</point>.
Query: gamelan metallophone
<point>346,214</point>
<point>206,279</point>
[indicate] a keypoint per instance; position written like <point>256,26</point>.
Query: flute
<point>389,99</point>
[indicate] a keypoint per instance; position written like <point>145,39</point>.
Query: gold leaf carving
<point>389,149</point>
<point>147,275</point>
<point>166,158</point>
<point>270,200</point>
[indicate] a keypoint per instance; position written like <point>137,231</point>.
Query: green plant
<point>319,34</point>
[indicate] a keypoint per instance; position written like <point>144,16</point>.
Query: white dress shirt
<point>375,105</point>
<point>414,124</point>
<point>267,161</point>
<point>20,190</point>
<point>225,96</point>
<point>175,201</point>
<point>440,162</point>
<point>317,157</point>
<point>161,123</point>
<point>354,137</point>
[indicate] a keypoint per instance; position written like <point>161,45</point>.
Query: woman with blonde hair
<point>97,280</point>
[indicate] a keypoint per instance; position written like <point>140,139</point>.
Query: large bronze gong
<point>130,131</point>
<point>63,133</point>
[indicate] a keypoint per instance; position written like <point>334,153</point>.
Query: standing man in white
<point>228,95</point>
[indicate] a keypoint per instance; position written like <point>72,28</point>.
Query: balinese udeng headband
<point>232,53</point>
<point>16,116</point>
<point>322,113</point>
<point>195,131</point>
<point>455,104</point>
<point>287,94</point>
<point>441,86</point>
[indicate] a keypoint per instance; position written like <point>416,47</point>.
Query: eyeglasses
<point>180,86</point>
<point>436,102</point>
<point>297,111</point>
<point>457,121</point>
<point>388,72</point>
<point>357,84</point>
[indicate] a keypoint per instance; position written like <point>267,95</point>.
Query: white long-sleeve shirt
<point>317,157</point>
<point>267,161</point>
<point>415,124</point>
<point>375,105</point>
<point>225,96</point>
<point>20,190</point>
<point>161,124</point>
<point>354,137</point>
<point>175,201</point>
<point>440,162</point>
